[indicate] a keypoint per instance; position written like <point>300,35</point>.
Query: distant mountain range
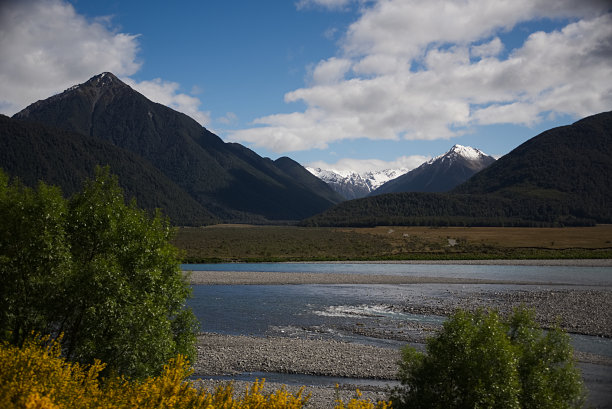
<point>167,160</point>
<point>440,174</point>
<point>163,158</point>
<point>559,177</point>
<point>354,185</point>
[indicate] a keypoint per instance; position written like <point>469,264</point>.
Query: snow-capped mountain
<point>441,173</point>
<point>353,185</point>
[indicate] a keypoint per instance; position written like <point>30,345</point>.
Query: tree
<point>97,270</point>
<point>34,257</point>
<point>481,361</point>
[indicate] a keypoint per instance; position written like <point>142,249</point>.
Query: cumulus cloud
<point>490,49</point>
<point>47,47</point>
<point>167,93</point>
<point>331,70</point>
<point>228,118</point>
<point>429,70</point>
<point>368,165</point>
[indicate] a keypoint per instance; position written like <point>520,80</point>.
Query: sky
<point>339,84</point>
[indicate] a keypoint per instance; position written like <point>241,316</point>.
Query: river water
<point>365,313</point>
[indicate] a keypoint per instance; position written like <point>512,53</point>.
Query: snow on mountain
<point>436,175</point>
<point>441,173</point>
<point>353,185</point>
<point>460,151</point>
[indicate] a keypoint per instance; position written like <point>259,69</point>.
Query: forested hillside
<point>34,152</point>
<point>560,177</point>
<point>229,181</point>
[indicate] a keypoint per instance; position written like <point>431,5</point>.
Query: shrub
<point>98,270</point>
<point>358,403</point>
<point>479,360</point>
<point>36,376</point>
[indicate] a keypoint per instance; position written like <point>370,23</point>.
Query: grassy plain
<point>246,243</point>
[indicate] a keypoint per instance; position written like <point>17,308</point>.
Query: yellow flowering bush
<point>358,403</point>
<point>36,376</point>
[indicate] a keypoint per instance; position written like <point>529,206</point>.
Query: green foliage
<point>517,209</point>
<point>479,360</point>
<point>99,271</point>
<point>34,257</point>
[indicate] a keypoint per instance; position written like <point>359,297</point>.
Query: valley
<point>248,243</point>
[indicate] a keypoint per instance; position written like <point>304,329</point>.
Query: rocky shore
<point>577,309</point>
<point>222,357</point>
<point>233,355</point>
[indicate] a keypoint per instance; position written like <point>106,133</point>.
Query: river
<point>370,314</point>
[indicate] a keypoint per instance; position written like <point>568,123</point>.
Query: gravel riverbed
<point>233,355</point>
<point>583,310</point>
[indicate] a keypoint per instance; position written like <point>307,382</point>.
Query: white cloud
<point>228,118</point>
<point>368,165</point>
<point>331,70</point>
<point>167,93</point>
<point>490,49</point>
<point>48,47</point>
<point>406,71</point>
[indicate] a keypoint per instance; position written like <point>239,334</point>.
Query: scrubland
<point>246,243</point>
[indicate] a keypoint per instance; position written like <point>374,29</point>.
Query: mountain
<point>302,175</point>
<point>352,185</point>
<point>440,174</point>
<point>36,152</point>
<point>559,177</point>
<point>571,163</point>
<point>229,180</point>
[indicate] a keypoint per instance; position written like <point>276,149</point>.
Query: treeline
<point>446,209</point>
<point>558,178</point>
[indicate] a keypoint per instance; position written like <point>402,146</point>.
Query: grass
<point>246,243</point>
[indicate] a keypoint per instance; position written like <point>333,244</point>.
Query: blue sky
<point>337,83</point>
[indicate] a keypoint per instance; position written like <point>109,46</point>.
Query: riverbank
<point>577,308</point>
<point>280,278</point>
<point>232,356</point>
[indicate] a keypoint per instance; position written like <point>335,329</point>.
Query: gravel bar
<point>281,278</point>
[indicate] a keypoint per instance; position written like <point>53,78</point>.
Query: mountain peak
<point>440,174</point>
<point>93,89</point>
<point>460,152</point>
<point>103,80</point>
<point>466,151</point>
<point>352,184</point>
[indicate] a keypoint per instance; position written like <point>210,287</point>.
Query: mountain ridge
<point>354,185</point>
<point>441,173</point>
<point>557,178</point>
<point>229,180</point>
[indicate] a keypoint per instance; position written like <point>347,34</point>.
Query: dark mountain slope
<point>36,152</point>
<point>304,177</point>
<point>560,177</point>
<point>571,163</point>
<point>228,179</point>
<point>440,174</point>
<point>573,159</point>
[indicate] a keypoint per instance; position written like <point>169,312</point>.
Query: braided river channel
<point>392,315</point>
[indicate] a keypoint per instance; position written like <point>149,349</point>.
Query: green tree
<point>99,271</point>
<point>34,258</point>
<point>481,361</point>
